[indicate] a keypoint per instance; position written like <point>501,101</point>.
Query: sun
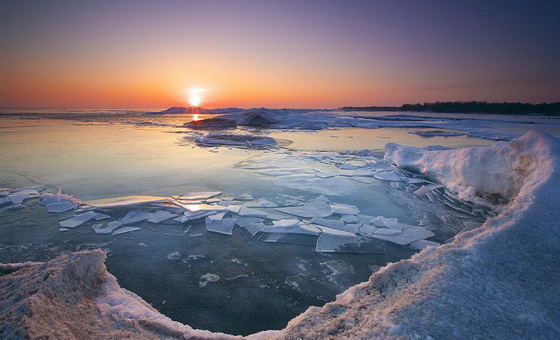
<point>195,96</point>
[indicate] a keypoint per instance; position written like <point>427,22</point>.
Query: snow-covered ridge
<point>501,277</point>
<point>473,172</point>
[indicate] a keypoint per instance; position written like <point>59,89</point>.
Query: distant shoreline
<point>548,109</point>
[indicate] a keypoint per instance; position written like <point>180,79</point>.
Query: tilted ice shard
<point>349,218</point>
<point>332,240</point>
<point>136,216</point>
<point>344,209</point>
<point>106,228</point>
<point>78,220</point>
<point>100,216</point>
<point>318,207</point>
<point>261,203</point>
<point>243,197</point>
<point>124,201</point>
<point>286,223</point>
<point>19,197</point>
<point>244,211</point>
<point>200,195</point>
<point>125,230</point>
<point>421,244</point>
<point>389,176</point>
<point>222,226</point>
<point>335,224</point>
<point>406,236</point>
<point>58,207</point>
<point>251,229</point>
<point>160,216</point>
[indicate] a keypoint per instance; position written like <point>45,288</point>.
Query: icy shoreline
<point>495,277</point>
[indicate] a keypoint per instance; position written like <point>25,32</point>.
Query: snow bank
<point>497,281</point>
<point>476,172</point>
<point>74,297</point>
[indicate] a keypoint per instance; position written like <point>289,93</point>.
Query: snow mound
<point>490,173</point>
<point>74,297</point>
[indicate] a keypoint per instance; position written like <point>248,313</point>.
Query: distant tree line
<point>468,107</point>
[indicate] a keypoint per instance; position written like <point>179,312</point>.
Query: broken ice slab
<point>78,220</point>
<point>244,211</point>
<point>4,201</point>
<point>349,218</point>
<point>106,228</point>
<point>190,216</point>
<point>344,209</point>
<point>226,203</point>
<point>100,216</point>
<point>199,195</point>
<point>346,173</point>
<point>406,236</point>
<point>363,173</point>
<point>324,175</point>
<point>317,207</point>
<point>222,225</point>
<point>335,224</point>
<point>200,207</point>
<point>289,200</point>
<point>125,230</point>
<point>421,244</point>
<point>260,203</point>
<point>234,208</point>
<point>286,223</point>
<point>19,197</point>
<point>391,223</point>
<point>160,216</point>
<point>123,201</point>
<point>59,207</point>
<point>244,221</point>
<point>271,238</point>
<point>352,227</point>
<point>332,240</point>
<point>389,176</point>
<point>250,230</point>
<point>289,228</point>
<point>136,216</point>
<point>243,197</point>
<point>63,229</point>
<point>15,207</point>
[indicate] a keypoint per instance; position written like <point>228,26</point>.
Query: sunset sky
<point>289,53</point>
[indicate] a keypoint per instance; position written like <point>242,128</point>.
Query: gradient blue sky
<point>276,53</point>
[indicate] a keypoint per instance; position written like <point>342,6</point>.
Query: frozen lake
<point>227,283</point>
